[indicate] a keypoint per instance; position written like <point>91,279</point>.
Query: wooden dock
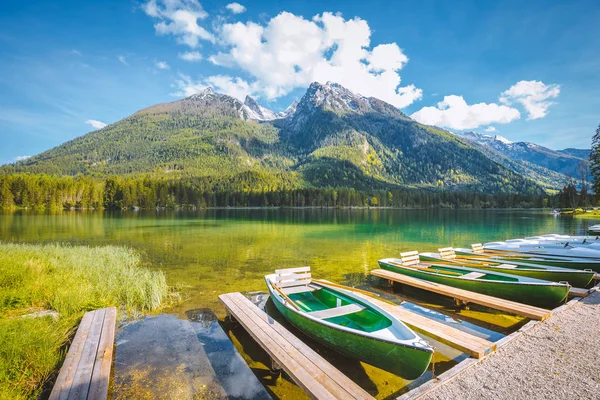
<point>85,374</point>
<point>317,377</point>
<point>580,292</point>
<point>463,341</point>
<point>467,296</point>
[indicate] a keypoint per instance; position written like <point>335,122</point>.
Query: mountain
<point>331,138</point>
<point>552,168</point>
<point>579,153</point>
<point>258,112</point>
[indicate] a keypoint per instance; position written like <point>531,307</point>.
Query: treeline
<point>46,192</point>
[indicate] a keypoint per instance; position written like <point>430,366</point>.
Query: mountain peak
<point>502,139</point>
<point>207,92</point>
<point>257,112</point>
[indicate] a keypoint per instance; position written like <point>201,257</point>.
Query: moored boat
<point>448,256</point>
<point>522,289</point>
<point>594,229</point>
<point>347,323</point>
<point>477,251</point>
<point>555,250</point>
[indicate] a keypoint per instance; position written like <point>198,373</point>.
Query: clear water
<point>211,252</point>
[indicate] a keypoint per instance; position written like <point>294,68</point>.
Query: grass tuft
<point>69,280</point>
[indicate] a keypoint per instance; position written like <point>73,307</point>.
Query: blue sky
<point>527,70</point>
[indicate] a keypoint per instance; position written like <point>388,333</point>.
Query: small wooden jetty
<point>463,341</point>
<point>85,374</point>
<point>317,377</point>
<point>581,292</point>
<point>466,295</point>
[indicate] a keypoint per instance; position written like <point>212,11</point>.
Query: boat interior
<point>297,287</point>
<point>412,260</point>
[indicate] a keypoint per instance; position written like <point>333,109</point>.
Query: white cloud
<point>76,52</point>
<point>95,124</point>
<point>162,65</point>
<point>191,56</point>
<point>186,86</point>
<point>21,158</point>
<point>179,18</point>
<point>236,8</point>
<point>490,129</point>
<point>533,95</point>
<point>122,60</point>
<point>454,113</point>
<point>290,52</point>
<point>232,86</point>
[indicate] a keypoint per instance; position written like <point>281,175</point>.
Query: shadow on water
<point>173,358</point>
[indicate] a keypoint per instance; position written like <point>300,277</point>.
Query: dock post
<point>275,367</point>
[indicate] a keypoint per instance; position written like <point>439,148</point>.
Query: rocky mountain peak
<point>258,112</point>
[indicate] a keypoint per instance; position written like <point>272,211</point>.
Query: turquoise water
<point>210,252</point>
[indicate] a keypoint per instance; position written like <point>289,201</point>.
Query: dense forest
<point>50,192</point>
<point>372,147</point>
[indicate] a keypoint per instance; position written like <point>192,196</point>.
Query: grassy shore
<point>69,280</point>
<point>593,214</point>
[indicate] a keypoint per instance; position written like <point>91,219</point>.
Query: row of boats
<point>538,270</point>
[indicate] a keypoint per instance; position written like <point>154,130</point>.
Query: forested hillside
<point>332,139</point>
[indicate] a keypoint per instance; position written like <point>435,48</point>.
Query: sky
<point>525,70</point>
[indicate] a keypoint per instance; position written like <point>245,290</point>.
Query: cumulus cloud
<point>453,112</point>
<point>179,18</point>
<point>236,8</point>
<point>533,95</point>
<point>185,86</point>
<point>95,124</point>
<point>122,60</point>
<point>191,56</point>
<point>490,129</point>
<point>290,51</point>
<point>162,65</point>
<point>21,158</point>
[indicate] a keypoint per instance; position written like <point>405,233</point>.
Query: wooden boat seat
<point>473,275</point>
<point>477,248</point>
<point>299,289</point>
<point>447,253</point>
<point>337,312</point>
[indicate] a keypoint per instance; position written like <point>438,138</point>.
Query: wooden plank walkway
<point>581,292</point>
<point>85,374</point>
<point>463,341</point>
<point>317,377</point>
<point>467,296</point>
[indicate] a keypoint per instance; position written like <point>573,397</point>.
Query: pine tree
<point>595,161</point>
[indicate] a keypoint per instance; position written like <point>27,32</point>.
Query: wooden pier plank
<point>332,386</point>
<point>466,295</point>
<point>463,341</point>
<point>309,370</point>
<point>102,365</point>
<point>85,373</point>
<point>81,382</point>
<point>64,381</point>
<point>301,376</point>
<point>310,354</point>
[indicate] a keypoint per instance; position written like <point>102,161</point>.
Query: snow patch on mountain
<point>258,112</point>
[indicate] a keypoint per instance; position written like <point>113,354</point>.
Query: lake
<point>209,252</point>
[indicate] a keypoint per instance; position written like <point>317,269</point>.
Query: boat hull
<point>548,296</point>
<point>540,260</point>
<point>574,277</point>
<point>404,361</point>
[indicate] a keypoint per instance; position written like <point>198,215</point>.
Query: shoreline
<point>554,359</point>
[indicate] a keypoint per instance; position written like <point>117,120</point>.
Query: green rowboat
<point>521,289</point>
<point>514,257</point>
<point>349,324</point>
<point>575,277</point>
